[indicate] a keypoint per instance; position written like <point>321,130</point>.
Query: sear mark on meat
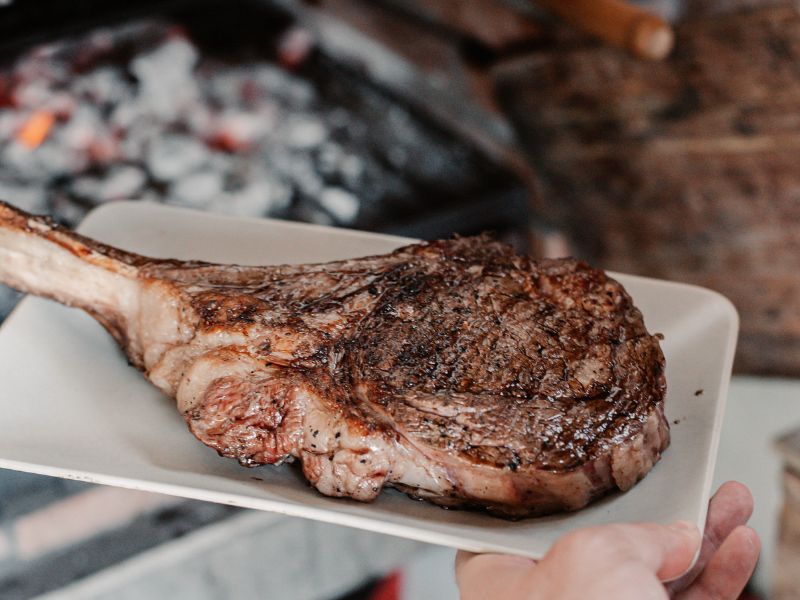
<point>455,371</point>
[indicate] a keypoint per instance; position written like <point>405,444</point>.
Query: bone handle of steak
<point>618,23</point>
<point>39,257</point>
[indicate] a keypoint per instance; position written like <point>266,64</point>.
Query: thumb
<point>491,576</point>
<point>667,551</point>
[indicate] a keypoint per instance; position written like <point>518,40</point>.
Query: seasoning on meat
<point>455,370</point>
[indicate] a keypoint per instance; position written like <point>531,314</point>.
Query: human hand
<point>729,552</point>
<point>628,562</point>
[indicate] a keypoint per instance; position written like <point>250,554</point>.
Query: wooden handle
<point>618,23</point>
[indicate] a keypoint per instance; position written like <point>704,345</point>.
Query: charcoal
<point>145,111</point>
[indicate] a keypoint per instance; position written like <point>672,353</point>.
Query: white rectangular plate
<point>72,407</point>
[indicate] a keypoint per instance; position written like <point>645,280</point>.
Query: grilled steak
<point>455,371</point>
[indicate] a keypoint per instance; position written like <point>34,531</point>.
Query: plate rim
<point>365,522</point>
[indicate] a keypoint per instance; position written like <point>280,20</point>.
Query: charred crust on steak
<point>455,371</point>
<point>464,348</point>
<point>504,360</point>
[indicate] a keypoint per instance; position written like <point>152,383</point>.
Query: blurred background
<point>660,138</point>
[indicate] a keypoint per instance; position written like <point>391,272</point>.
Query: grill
<point>232,109</point>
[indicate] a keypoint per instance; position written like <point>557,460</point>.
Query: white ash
<point>230,164</point>
<point>159,114</point>
<point>299,169</point>
<point>85,125</point>
<point>196,189</point>
<point>333,162</point>
<point>57,163</point>
<point>241,129</point>
<point>278,83</point>
<point>33,93</point>
<point>10,122</point>
<point>102,86</point>
<point>330,158</point>
<point>175,125</point>
<point>352,170</point>
<point>121,183</point>
<point>172,156</point>
<point>318,217</point>
<point>166,79</point>
<point>199,120</point>
<point>340,204</point>
<point>37,67</point>
<point>18,159</point>
<point>136,143</point>
<point>124,115</point>
<point>28,197</point>
<point>258,197</point>
<point>40,165</point>
<point>304,133</point>
<point>150,196</point>
<point>61,103</point>
<point>86,187</point>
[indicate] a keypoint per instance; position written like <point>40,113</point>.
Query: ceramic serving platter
<point>72,407</point>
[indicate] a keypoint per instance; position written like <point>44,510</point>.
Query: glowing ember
<point>36,128</point>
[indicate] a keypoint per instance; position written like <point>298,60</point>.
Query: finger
<point>729,508</point>
<point>487,576</point>
<point>462,556</point>
<point>729,570</point>
<point>492,576</point>
<point>734,500</point>
<point>666,551</point>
